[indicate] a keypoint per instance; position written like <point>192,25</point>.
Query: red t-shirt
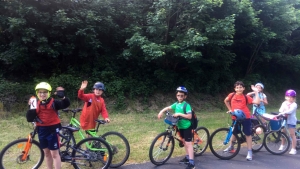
<point>238,101</point>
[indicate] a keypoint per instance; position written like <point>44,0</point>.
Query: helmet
<point>291,93</point>
<point>99,85</point>
<point>260,84</point>
<point>239,114</point>
<point>182,89</point>
<point>43,85</point>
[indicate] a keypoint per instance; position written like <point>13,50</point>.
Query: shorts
<point>246,127</point>
<point>186,134</point>
<point>48,137</point>
<point>291,126</point>
<point>260,110</point>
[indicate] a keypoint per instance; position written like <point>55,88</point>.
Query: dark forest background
<point>138,48</point>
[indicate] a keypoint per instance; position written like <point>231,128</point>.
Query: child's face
<point>42,94</point>
<point>98,92</point>
<point>239,89</point>
<point>290,99</point>
<point>180,96</point>
<point>259,88</point>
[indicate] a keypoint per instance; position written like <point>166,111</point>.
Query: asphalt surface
<point>261,160</point>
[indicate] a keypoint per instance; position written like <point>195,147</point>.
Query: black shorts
<point>246,127</point>
<point>186,134</point>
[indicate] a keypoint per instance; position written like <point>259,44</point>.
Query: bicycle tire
<point>258,137</point>
<point>10,156</point>
<point>161,148</point>
<point>120,148</point>
<point>65,149</point>
<point>272,143</point>
<point>201,147</point>
<point>99,156</point>
<point>297,138</point>
<point>217,146</point>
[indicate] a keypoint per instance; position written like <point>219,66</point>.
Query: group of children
<point>234,101</point>
<point>48,122</point>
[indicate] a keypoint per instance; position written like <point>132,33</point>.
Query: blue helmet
<point>182,89</point>
<point>99,86</point>
<point>239,114</point>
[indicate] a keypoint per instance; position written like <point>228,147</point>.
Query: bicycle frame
<point>28,144</point>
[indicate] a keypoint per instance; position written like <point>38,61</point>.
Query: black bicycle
<point>26,153</point>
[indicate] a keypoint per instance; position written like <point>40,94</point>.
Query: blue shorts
<point>48,137</point>
<point>186,134</point>
<point>246,127</point>
<point>291,126</point>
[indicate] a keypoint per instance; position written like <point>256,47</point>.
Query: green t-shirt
<point>178,108</point>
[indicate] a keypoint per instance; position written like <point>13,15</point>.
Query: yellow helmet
<point>43,85</point>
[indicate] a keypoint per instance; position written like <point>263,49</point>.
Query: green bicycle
<point>118,143</point>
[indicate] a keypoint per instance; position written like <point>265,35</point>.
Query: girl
<point>289,107</point>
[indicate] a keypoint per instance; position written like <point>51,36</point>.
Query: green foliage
<point>140,47</point>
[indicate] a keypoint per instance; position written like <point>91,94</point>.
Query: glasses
<point>180,95</point>
<point>42,92</point>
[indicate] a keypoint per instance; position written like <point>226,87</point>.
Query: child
<point>184,124</point>
<point>94,105</point>
<point>238,100</point>
<point>289,107</point>
<point>48,123</point>
<point>260,108</point>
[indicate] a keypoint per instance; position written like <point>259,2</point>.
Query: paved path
<point>261,160</point>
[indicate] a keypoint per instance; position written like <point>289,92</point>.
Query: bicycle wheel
<point>217,146</point>
<point>92,153</point>
<point>67,140</point>
<point>161,148</point>
<point>201,145</point>
<point>119,146</point>
<point>11,155</point>
<point>272,143</point>
<point>258,135</point>
<point>298,138</point>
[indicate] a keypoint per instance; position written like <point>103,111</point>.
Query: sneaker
<point>184,161</point>
<point>190,166</point>
<point>249,156</point>
<point>293,151</point>
<point>281,147</point>
<point>229,149</point>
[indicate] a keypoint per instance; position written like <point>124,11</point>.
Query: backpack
<point>194,120</point>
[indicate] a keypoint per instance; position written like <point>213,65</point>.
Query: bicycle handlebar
<point>72,110</point>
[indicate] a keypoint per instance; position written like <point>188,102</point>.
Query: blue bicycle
<point>219,141</point>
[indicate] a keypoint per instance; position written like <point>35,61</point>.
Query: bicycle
<point>278,127</point>
<point>220,138</point>
<point>26,153</point>
<point>118,143</point>
<point>163,144</point>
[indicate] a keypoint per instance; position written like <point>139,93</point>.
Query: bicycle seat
<point>100,121</point>
<point>71,128</point>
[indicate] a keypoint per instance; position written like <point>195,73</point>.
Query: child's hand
<point>83,84</point>
<point>254,88</point>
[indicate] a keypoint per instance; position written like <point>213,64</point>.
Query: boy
<point>48,123</point>
<point>94,105</point>
<point>184,124</point>
<point>238,100</point>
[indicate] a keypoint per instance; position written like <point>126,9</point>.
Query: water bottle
<point>32,102</point>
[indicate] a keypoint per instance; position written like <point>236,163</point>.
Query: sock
<point>191,161</point>
<point>187,156</point>
<point>250,152</point>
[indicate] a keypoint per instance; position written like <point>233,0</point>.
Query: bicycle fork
<point>27,148</point>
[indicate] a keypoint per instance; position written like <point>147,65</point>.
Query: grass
<point>139,129</point>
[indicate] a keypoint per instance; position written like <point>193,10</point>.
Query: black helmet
<point>99,86</point>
